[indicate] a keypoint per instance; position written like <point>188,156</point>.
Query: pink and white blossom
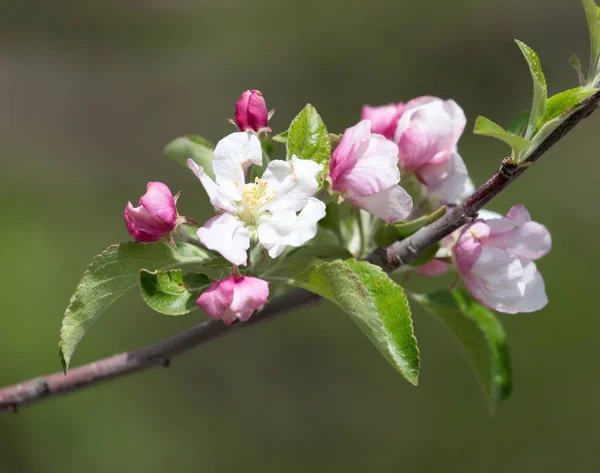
<point>234,298</point>
<point>427,136</point>
<point>278,210</point>
<point>251,111</point>
<point>495,257</point>
<point>384,118</point>
<point>154,217</point>
<point>364,170</point>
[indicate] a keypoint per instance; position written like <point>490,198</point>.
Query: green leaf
<point>562,103</point>
<point>377,305</point>
<point>480,336</point>
<point>486,127</point>
<point>592,12</point>
<point>170,292</point>
<point>308,138</point>
<point>281,137</point>
<point>110,275</point>
<point>195,148</point>
<point>519,125</point>
<point>576,64</point>
<point>389,234</point>
<point>538,108</point>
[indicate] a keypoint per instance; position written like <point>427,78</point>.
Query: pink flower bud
<point>364,170</point>
<point>234,298</point>
<point>155,216</point>
<point>251,111</point>
<point>384,119</point>
<point>495,257</point>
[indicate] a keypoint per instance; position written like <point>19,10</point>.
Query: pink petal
<point>384,119</point>
<point>393,204</point>
<point>249,295</point>
<point>158,200</point>
<point>432,269</point>
<point>216,300</point>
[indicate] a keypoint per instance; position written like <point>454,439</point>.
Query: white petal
<point>293,183</point>
<point>488,215</point>
<point>306,224</point>
<point>534,297</point>
<point>231,157</point>
<point>227,235</point>
<point>496,279</point>
<point>446,180</point>
<point>285,228</point>
<point>273,228</point>
<point>393,204</point>
<point>217,196</point>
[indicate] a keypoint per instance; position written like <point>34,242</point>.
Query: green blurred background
<point>91,91</point>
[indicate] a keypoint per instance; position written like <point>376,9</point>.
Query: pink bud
<point>251,111</point>
<point>234,298</point>
<point>364,170</point>
<point>384,119</point>
<point>495,257</point>
<point>155,216</point>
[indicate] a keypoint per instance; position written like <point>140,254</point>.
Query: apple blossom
<point>234,298</point>
<point>384,118</point>
<point>427,135</point>
<point>495,257</point>
<point>156,214</point>
<point>251,111</point>
<point>266,209</point>
<point>364,170</point>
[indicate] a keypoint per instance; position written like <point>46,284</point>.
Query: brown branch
<point>14,397</point>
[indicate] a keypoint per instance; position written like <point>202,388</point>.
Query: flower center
<point>254,197</point>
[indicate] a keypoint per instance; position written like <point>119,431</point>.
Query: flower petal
<point>216,300</point>
<point>393,204</point>
<point>231,157</point>
<point>432,269</point>
<point>218,198</point>
<point>227,235</point>
<point>384,119</point>
<point>249,295</point>
<point>305,227</point>
<point>376,169</point>
<point>293,183</point>
<point>159,201</point>
<point>534,297</point>
<point>446,180</point>
<point>273,228</point>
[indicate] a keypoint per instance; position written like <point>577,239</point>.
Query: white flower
<point>266,209</point>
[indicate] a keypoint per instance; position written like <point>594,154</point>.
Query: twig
<point>14,397</point>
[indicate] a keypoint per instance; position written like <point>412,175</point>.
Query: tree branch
<point>160,354</point>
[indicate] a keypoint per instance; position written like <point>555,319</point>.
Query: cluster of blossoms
<point>494,255</point>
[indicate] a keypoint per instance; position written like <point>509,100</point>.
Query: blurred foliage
<point>92,91</point>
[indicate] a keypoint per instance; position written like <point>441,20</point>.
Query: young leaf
<point>171,292</point>
<point>486,127</point>
<point>308,138</point>
<point>592,12</point>
<point>562,103</point>
<point>195,148</point>
<point>480,336</point>
<point>538,108</point>
<point>519,125</point>
<point>377,305</point>
<point>281,137</point>
<point>110,275</point>
<point>576,64</point>
<point>389,234</point>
